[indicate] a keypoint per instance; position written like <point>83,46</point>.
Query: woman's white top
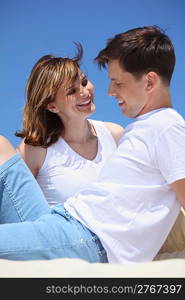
<point>64,172</point>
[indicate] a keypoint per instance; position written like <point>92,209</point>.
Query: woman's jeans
<point>34,230</point>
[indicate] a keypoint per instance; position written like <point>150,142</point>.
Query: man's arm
<point>179,189</point>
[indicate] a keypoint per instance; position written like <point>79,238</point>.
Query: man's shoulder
<point>152,125</point>
<point>169,114</point>
<point>165,118</point>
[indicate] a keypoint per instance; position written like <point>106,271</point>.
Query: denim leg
<point>21,198</point>
<point>51,236</point>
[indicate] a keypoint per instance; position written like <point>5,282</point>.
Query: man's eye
<point>84,81</point>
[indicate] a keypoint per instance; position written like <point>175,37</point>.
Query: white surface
<point>78,268</point>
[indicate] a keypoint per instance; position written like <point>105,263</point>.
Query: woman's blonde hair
<point>40,126</point>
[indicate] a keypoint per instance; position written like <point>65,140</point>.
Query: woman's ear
<point>52,107</point>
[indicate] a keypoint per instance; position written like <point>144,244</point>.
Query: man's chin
<point>127,114</point>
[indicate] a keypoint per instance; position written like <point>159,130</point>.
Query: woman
<point>62,147</point>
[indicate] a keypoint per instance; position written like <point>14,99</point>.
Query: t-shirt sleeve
<point>170,153</point>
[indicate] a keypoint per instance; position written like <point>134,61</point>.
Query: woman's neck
<point>78,131</point>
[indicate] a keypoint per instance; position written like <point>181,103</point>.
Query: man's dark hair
<point>141,50</point>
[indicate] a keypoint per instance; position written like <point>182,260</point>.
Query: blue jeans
<point>31,230</point>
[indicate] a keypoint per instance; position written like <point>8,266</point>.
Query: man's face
<point>129,91</point>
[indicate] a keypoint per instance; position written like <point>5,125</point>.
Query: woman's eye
<point>72,91</point>
<point>84,81</point>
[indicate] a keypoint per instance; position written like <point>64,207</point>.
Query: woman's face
<point>76,100</point>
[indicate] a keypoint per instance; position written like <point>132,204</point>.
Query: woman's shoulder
<point>115,129</point>
<point>34,156</point>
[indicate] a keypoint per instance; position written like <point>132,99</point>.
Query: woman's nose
<point>84,92</point>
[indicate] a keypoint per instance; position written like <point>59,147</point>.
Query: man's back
<point>133,190</point>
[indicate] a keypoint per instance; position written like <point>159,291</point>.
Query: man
<point>137,197</point>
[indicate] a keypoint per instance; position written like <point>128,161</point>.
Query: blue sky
<point>31,29</point>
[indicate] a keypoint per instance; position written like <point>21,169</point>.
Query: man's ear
<point>52,107</point>
<point>151,81</point>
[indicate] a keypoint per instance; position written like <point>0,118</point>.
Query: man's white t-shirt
<point>131,207</point>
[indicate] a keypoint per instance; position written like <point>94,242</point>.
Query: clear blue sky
<point>30,29</point>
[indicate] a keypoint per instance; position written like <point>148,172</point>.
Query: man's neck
<point>161,99</point>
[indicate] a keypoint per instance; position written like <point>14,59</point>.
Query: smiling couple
<point>123,214</point>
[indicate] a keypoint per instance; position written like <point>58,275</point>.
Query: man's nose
<point>111,91</point>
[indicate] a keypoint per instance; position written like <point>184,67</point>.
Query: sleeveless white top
<point>64,172</point>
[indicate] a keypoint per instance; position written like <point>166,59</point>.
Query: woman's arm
<point>33,156</point>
